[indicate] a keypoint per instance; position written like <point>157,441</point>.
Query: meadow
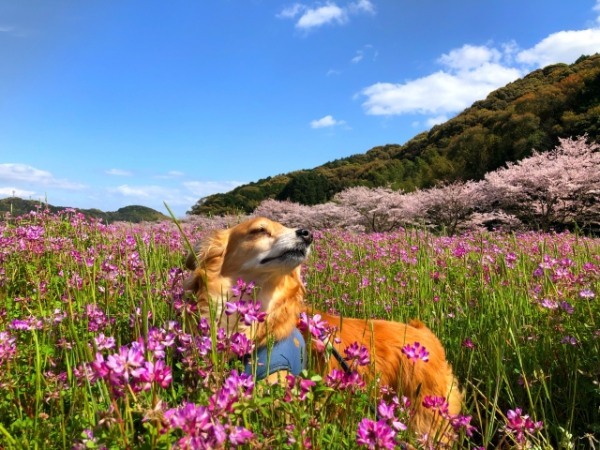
<point>101,348</point>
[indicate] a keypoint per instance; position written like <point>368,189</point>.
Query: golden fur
<point>269,254</point>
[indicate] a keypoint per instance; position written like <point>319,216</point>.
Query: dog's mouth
<point>295,254</point>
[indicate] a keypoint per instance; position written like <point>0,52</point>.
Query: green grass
<point>63,281</point>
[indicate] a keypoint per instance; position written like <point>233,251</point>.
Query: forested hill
<point>134,213</point>
<point>531,113</point>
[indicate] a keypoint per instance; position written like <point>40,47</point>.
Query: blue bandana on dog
<point>288,354</point>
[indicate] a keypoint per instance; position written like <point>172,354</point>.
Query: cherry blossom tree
<point>288,213</point>
<point>555,188</point>
<point>450,206</point>
<point>380,209</point>
<point>322,216</point>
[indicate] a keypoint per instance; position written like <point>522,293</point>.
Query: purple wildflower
<point>298,387</point>
<point>567,307</point>
<point>587,294</point>
<point>153,372</point>
<point>459,421</point>
<point>97,320</point>
<point>126,361</point>
<point>468,343</point>
<point>31,323</point>
<point>241,288</point>
<point>519,425</point>
<point>104,342</point>
<point>8,348</point>
<point>415,352</point>
<point>375,435</point>
<point>436,403</point>
<point>357,353</point>
<point>319,329</point>
<point>239,435</point>
<point>343,381</point>
<point>240,345</point>
<point>250,311</point>
<point>549,304</point>
<point>569,340</point>
<point>200,428</point>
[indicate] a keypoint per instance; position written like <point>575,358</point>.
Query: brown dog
<point>270,254</point>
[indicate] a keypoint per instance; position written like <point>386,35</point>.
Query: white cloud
<point>15,192</point>
<point>204,188</point>
<point>153,196</point>
<point>362,52</point>
<point>564,47</point>
<point>119,172</point>
<point>362,6</point>
<point>358,57</point>
<point>470,74</point>
<point>438,93</point>
<point>14,31</point>
<point>332,72</point>
<point>469,57</point>
<point>139,191</point>
<point>309,17</point>
<point>436,120</point>
<point>321,16</point>
<point>23,173</point>
<point>325,122</point>
<point>291,11</point>
<point>170,174</point>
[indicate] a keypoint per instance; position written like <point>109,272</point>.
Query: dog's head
<point>253,250</point>
<point>258,250</point>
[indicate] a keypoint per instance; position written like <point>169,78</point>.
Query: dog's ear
<point>191,258</point>
<point>205,256</point>
<point>213,247</point>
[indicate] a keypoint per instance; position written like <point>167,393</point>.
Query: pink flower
<point>240,345</point>
<point>242,288</point>
<point>375,435</point>
<point>519,425</point>
<point>468,343</point>
<point>436,403</point>
<point>8,348</point>
<point>357,353</point>
<point>415,352</point>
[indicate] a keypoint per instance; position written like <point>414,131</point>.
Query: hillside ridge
<point>533,112</point>
<point>17,206</point>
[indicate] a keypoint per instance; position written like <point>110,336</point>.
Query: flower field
<point>101,348</point>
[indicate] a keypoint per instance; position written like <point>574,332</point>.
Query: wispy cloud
<point>322,15</point>
<point>154,196</point>
<point>170,175</point>
<point>11,30</point>
<point>23,173</point>
<point>469,74</point>
<point>119,172</point>
<point>309,17</point>
<point>564,46</point>
<point>204,188</point>
<point>362,52</point>
<point>15,192</point>
<point>326,122</point>
<point>431,121</point>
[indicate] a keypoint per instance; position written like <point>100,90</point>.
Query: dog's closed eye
<point>260,231</point>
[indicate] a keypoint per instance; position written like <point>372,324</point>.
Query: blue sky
<point>110,103</point>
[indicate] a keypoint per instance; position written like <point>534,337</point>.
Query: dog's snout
<point>306,235</point>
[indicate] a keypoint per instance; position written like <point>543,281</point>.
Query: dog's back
<point>414,379</point>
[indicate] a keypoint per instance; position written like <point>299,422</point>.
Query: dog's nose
<point>306,235</point>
